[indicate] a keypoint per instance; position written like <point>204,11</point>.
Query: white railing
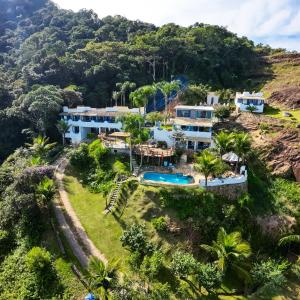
<point>224,181</point>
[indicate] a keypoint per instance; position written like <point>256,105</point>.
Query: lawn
<point>105,230</point>
<point>275,112</point>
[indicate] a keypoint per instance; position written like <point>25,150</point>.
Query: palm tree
<point>228,248</point>
<point>124,88</point>
<point>140,96</point>
<point>132,124</point>
<point>167,88</point>
<point>208,164</point>
<point>116,95</point>
<point>154,117</point>
<point>63,127</point>
<point>224,142</point>
<point>40,147</point>
<point>241,146</point>
<point>100,277</point>
<point>292,238</point>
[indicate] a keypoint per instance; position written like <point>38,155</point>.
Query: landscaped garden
<point>187,243</point>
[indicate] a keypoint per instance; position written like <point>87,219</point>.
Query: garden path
<point>79,241</point>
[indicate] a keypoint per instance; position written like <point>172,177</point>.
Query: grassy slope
<point>284,74</point>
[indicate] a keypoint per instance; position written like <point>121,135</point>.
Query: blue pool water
<point>178,178</point>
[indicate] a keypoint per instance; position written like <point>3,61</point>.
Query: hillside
<point>283,89</point>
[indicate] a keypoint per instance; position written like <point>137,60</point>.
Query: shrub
<point>160,223</point>
<point>80,157</point>
<point>152,264</point>
<point>269,272</point>
<point>183,264</point>
<point>222,112</point>
<point>135,238</point>
<point>119,167</point>
<point>209,276</point>
<point>97,151</point>
<point>135,260</point>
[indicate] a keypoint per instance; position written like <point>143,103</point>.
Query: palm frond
<point>293,238</point>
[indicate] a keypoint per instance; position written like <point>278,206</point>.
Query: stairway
<point>113,196</point>
<point>135,167</point>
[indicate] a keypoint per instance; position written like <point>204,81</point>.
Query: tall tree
<point>241,146</point>
<point>140,96</point>
<point>167,88</point>
<point>223,142</point>
<point>41,106</point>
<point>63,128</point>
<point>208,164</point>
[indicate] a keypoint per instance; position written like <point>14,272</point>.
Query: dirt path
<point>88,249</point>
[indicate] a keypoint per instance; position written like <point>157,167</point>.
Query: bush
<point>80,158</point>
<point>135,260</point>
<point>209,276</point>
<point>222,112</point>
<point>269,272</point>
<point>97,151</point>
<point>135,238</point>
<point>119,167</point>
<point>183,264</point>
<point>152,264</point>
<point>160,223</point>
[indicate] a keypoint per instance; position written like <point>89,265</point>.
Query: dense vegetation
<point>85,56</point>
<point>186,243</point>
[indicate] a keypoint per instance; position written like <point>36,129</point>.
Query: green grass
<point>103,230</point>
<point>275,112</point>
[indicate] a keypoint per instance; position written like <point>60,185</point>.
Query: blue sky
<point>274,22</point>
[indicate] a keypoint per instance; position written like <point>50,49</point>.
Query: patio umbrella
<point>89,297</point>
<point>230,157</point>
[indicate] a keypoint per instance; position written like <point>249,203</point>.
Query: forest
<point>83,57</point>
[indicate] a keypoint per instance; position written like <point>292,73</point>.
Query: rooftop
<point>195,107</point>
<point>108,111</point>
<point>247,95</point>
<point>194,122</point>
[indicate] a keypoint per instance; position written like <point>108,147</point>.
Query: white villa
<point>193,123</point>
<point>245,99</point>
<point>84,120</point>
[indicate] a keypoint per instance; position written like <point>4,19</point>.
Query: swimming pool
<point>178,178</point>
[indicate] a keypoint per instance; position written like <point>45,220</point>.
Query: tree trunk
<point>166,111</point>
<point>206,182</point>
<point>64,139</point>
<point>237,165</point>
<point>130,153</point>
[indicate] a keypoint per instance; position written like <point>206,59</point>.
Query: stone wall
<point>230,191</point>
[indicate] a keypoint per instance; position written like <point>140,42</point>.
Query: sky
<point>273,22</point>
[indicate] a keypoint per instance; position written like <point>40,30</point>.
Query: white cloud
<point>272,20</point>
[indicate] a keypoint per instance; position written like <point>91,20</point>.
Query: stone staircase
<point>135,167</point>
<point>113,196</point>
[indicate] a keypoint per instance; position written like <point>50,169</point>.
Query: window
<point>191,145</point>
<point>202,145</point>
<point>75,118</point>
<point>76,129</point>
<point>202,114</point>
<point>86,119</point>
<point>183,113</point>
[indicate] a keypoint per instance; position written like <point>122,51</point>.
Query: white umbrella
<point>230,157</point>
